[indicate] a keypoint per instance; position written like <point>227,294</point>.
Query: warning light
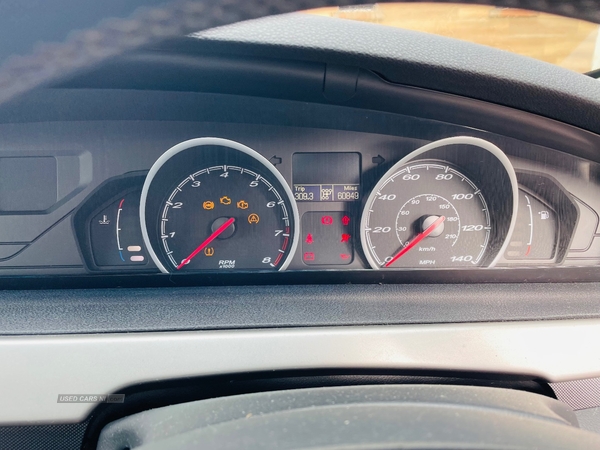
<point>326,220</point>
<point>345,221</point>
<point>309,256</point>
<point>242,204</point>
<point>209,251</point>
<point>345,256</point>
<point>253,218</point>
<point>225,200</point>
<point>309,238</point>
<point>208,205</point>
<point>345,237</point>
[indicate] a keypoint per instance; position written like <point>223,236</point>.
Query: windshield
<point>565,42</point>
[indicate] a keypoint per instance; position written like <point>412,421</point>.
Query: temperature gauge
<point>115,233</point>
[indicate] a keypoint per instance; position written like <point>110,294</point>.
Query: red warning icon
<point>326,220</point>
<point>345,220</point>
<point>309,239</point>
<point>309,256</point>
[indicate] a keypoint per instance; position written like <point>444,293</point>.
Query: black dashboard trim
<point>119,310</point>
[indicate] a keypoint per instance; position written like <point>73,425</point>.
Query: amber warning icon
<point>253,218</point>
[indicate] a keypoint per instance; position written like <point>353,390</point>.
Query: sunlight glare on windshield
<point>570,43</point>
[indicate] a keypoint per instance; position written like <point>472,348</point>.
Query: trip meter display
<point>428,211</point>
<point>326,177</point>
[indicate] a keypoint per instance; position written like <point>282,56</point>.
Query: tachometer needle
<point>208,240</point>
<point>418,238</point>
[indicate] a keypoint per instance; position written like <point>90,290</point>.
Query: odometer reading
<point>225,217</point>
<point>426,214</point>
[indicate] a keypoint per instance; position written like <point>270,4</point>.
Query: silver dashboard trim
<point>36,369</point>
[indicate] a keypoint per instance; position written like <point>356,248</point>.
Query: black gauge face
<point>232,217</point>
<point>236,216</point>
<point>426,214</point>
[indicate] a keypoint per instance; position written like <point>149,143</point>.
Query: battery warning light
<point>345,221</point>
<point>309,256</point>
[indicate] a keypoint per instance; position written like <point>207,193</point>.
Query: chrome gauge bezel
<point>435,150</point>
<point>198,144</point>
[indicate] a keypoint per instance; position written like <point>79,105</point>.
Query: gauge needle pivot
<point>418,238</point>
<point>208,240</point>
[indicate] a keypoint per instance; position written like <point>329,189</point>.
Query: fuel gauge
<point>535,236</point>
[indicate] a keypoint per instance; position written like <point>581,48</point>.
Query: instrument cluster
<point>214,204</point>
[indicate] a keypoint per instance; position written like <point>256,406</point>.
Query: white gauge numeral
<point>411,177</point>
<point>382,230</point>
<point>177,205</point>
<point>266,260</point>
<point>465,258</point>
<point>444,177</point>
<point>472,227</point>
<point>254,183</point>
<point>462,196</point>
<point>387,197</point>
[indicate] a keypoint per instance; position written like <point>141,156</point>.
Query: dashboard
<point>223,214</point>
<point>117,197</point>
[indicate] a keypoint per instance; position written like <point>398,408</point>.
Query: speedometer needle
<point>418,238</point>
<point>208,240</point>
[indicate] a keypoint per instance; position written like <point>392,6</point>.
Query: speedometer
<point>427,214</point>
<point>449,204</point>
<point>214,204</point>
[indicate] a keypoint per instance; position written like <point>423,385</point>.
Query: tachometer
<point>214,204</point>
<point>449,204</point>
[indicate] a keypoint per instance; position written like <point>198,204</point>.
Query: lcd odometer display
<point>326,177</point>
